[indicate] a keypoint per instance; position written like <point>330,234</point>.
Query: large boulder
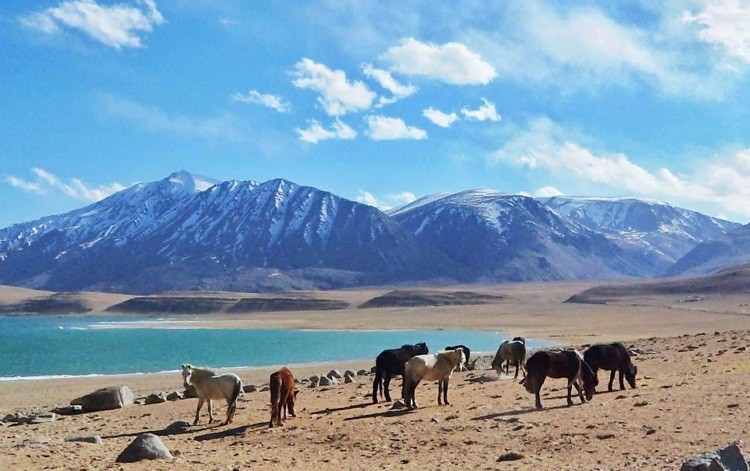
<point>146,446</point>
<point>190,392</point>
<point>114,397</point>
<point>726,459</point>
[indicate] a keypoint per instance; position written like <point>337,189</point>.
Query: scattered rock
<point>605,436</point>
<point>175,396</point>
<point>68,410</point>
<point>351,373</point>
<point>732,406</point>
<point>264,389</point>
<point>510,456</point>
<point>640,404</point>
<point>155,398</point>
<point>348,379</point>
<point>190,392</point>
<point>398,404</point>
<point>146,446</point>
<point>362,372</point>
<point>93,439</point>
<point>42,418</point>
<point>114,397</point>
<point>727,459</point>
<point>249,388</point>
<point>177,427</point>
<point>335,374</point>
<point>324,381</point>
<point>435,419</point>
<point>17,418</point>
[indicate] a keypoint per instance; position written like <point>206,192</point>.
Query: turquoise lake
<point>43,346</point>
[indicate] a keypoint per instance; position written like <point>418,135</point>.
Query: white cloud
<point>117,25</point>
<point>724,23</point>
<point>153,119</point>
<point>486,112</point>
<point>444,120</point>
<point>452,63</point>
<point>75,188</point>
<point>393,200</point>
<point>721,183</point>
<point>337,94</point>
<point>547,191</point>
<point>315,132</point>
<point>268,100</point>
<point>386,80</point>
<point>383,128</point>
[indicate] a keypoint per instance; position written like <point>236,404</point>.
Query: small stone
<point>732,406</point>
<point>249,388</point>
<point>175,396</point>
<point>362,372</point>
<point>93,439</point>
<point>155,398</point>
<point>335,374</point>
<point>510,456</point>
<point>42,418</point>
<point>605,436</point>
<point>640,404</point>
<point>398,404</point>
<point>177,427</point>
<point>351,373</point>
<point>435,419</point>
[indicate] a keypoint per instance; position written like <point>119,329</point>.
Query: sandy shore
<point>693,396</point>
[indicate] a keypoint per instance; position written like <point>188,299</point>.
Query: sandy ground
<point>693,395</point>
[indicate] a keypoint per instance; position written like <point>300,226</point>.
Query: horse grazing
<point>437,367</point>
<point>210,386</point>
<point>559,364</point>
<point>615,357</point>
<point>283,395</point>
<point>391,363</point>
<point>510,352</point>
<point>467,354</point>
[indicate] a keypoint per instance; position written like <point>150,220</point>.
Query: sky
<point>377,101</point>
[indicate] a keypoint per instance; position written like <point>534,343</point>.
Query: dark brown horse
<point>615,357</point>
<point>567,364</point>
<point>391,363</point>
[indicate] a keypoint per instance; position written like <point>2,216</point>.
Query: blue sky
<point>377,101</point>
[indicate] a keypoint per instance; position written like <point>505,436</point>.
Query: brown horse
<point>283,395</point>
<point>615,357</point>
<point>567,364</point>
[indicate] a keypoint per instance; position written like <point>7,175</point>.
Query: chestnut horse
<point>567,364</point>
<point>615,357</point>
<point>283,395</point>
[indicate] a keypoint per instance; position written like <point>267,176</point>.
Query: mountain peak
<point>191,182</point>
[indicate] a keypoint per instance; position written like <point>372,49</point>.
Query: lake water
<point>43,346</point>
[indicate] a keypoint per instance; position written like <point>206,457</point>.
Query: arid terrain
<point>693,396</point>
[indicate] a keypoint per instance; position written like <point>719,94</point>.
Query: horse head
<point>630,374</point>
<point>590,380</point>
<point>421,348</point>
<point>187,370</point>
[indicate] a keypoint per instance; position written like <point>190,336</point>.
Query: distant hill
<point>732,248</point>
<point>734,280</point>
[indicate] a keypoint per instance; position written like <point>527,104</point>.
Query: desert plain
<point>692,395</point>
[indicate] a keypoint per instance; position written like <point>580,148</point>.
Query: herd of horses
<point>415,364</point>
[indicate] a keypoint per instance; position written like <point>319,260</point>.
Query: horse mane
<point>199,374</point>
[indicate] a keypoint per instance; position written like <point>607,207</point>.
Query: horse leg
<point>445,392</point>
<point>413,393</point>
<point>440,391</point>
<point>210,413</point>
<point>538,388</point>
<point>386,384</point>
<point>570,386</point>
<point>516,376</point>
<point>622,385</point>
<point>580,391</point>
<point>198,410</point>
<point>612,380</point>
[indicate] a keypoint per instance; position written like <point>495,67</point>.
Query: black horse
<point>391,363</point>
<point>566,364</point>
<point>615,357</point>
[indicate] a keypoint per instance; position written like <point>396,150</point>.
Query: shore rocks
<point>325,381</point>
<point>114,397</point>
<point>175,396</point>
<point>726,459</point>
<point>93,439</point>
<point>362,373</point>
<point>146,446</point>
<point>155,398</point>
<point>334,374</point>
<point>249,388</point>
<point>190,392</point>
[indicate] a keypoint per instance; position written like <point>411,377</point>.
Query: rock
<point>146,446</point>
<point>335,374</point>
<point>264,389</point>
<point>398,404</point>
<point>640,404</point>
<point>249,388</point>
<point>68,410</point>
<point>314,379</point>
<point>362,372</point>
<point>115,397</point>
<point>155,398</point>
<point>42,418</point>
<point>190,392</point>
<point>510,456</point>
<point>16,418</point>
<point>435,419</point>
<point>94,439</point>
<point>372,370</point>
<point>351,373</point>
<point>348,379</point>
<point>175,396</point>
<point>177,427</point>
<point>727,459</point>
<point>324,381</point>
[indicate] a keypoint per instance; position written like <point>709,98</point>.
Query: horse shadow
<point>527,410</point>
<point>230,432</point>
<point>328,410</point>
<point>387,413</point>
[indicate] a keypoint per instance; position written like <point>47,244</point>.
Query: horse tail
<point>529,383</point>
<point>377,383</point>
<point>235,395</point>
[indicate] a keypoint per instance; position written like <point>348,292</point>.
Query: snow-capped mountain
<point>654,233</point>
<point>500,236</point>
<point>180,233</point>
<point>727,250</point>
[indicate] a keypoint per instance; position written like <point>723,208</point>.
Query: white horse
<point>210,386</point>
<point>438,367</point>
